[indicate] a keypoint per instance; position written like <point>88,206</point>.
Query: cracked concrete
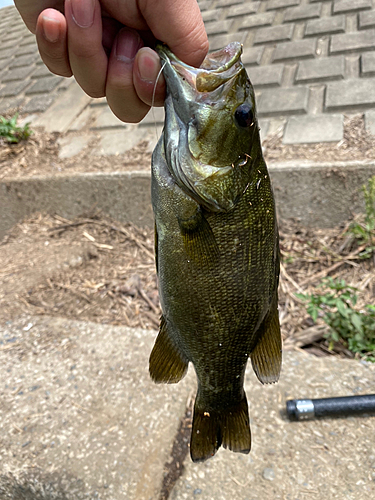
<point>79,416</point>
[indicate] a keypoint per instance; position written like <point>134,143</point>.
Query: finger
<point>87,56</point>
<point>125,11</point>
<point>51,39</point>
<point>179,25</point>
<point>147,77</point>
<point>30,10</point>
<point>110,29</point>
<point>120,91</point>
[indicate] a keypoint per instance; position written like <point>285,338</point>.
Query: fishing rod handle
<point>307,409</point>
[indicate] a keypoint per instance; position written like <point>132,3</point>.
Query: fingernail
<point>51,29</point>
<point>148,65</point>
<point>83,12</point>
<point>128,43</point>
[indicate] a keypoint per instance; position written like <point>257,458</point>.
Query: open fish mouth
<point>216,69</point>
<point>207,143</point>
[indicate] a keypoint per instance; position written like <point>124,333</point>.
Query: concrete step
<point>80,413</point>
<point>80,418</point>
<point>326,458</point>
<point>318,194</point>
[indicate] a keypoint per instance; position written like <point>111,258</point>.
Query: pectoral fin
<point>167,365</point>
<point>266,356</point>
<point>199,240</point>
<point>156,239</point>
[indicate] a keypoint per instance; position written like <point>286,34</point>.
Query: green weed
<point>355,329</point>
<point>10,132</point>
<point>365,232</point>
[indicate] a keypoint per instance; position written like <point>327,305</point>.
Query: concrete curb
<point>318,194</point>
<point>124,196</point>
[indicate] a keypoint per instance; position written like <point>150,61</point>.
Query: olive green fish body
<point>217,259</point>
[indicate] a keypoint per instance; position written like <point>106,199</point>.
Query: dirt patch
<point>33,261</point>
<point>96,269</point>
<point>91,268</point>
<point>40,154</point>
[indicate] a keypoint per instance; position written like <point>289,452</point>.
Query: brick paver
<point>368,64</point>
<point>367,19</point>
<point>353,42</point>
<point>316,128</point>
<point>350,94</point>
<point>325,26</point>
<point>274,34</point>
<point>280,4</point>
<point>284,101</point>
<point>266,76</point>
<point>351,6</point>
<point>295,50</point>
<point>257,20</point>
<point>325,68</point>
<point>303,12</point>
<point>310,61</point>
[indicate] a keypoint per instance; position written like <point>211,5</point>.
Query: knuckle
<point>87,53</point>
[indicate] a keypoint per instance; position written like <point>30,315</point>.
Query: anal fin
<point>266,356</point>
<point>166,365</point>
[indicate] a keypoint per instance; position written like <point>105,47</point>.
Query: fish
<point>216,246</point>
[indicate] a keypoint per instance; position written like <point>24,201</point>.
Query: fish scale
<point>217,249</point>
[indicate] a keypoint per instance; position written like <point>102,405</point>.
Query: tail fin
<point>211,429</point>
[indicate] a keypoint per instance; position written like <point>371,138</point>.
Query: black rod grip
<point>307,409</point>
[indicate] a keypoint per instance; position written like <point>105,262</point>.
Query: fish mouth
<point>216,69</point>
<point>195,99</point>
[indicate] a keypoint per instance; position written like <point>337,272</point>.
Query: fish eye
<point>244,115</point>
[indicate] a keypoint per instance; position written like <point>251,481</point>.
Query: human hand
<point>106,44</point>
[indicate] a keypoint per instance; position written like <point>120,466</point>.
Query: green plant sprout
<point>11,132</point>
<point>365,232</point>
<point>355,329</point>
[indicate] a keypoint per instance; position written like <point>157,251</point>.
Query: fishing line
<point>153,100</point>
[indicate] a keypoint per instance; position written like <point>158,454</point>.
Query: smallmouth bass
<point>216,246</point>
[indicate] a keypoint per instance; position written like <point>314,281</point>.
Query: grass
<point>10,132</point>
<point>352,327</point>
<point>348,325</point>
<point>364,231</point>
